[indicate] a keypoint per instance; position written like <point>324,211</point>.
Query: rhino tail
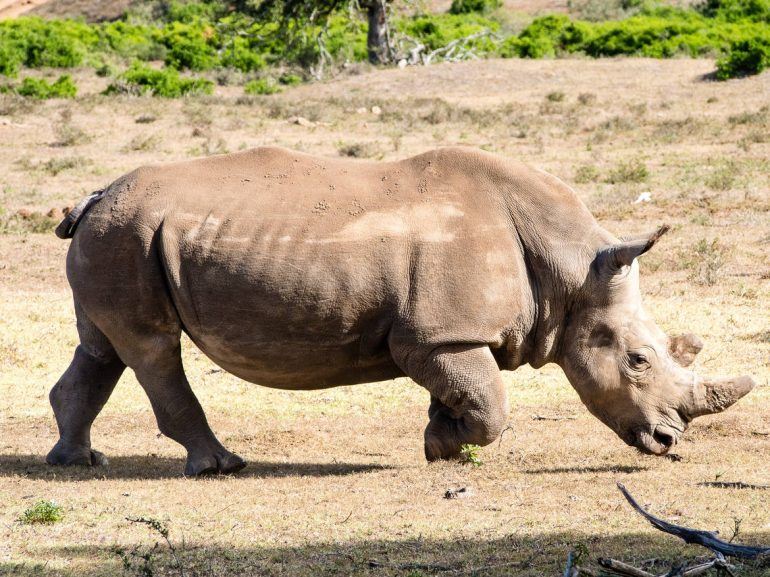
<point>66,228</point>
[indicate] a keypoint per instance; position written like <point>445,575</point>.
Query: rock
<point>376,110</point>
<point>461,493</point>
<point>302,121</point>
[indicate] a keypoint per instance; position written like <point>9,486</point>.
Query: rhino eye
<point>638,360</point>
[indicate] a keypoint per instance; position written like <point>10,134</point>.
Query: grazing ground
<point>337,483</point>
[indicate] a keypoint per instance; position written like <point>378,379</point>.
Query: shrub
<point>166,83</point>
<point>132,41</point>
<point>39,88</point>
<point>705,261</point>
<point>290,79</point>
<point>586,173</point>
<point>437,30</point>
<point>241,55</point>
<point>190,46</point>
<point>735,10</point>
<point>631,171</point>
<point>36,43</point>
<point>468,6</point>
<point>744,58</point>
<point>266,85</point>
<point>42,513</point>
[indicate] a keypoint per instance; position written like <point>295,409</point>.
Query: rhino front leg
<point>468,401</point>
<point>178,412</point>
<point>80,394</point>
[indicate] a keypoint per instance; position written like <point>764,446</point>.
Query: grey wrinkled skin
<point>300,273</point>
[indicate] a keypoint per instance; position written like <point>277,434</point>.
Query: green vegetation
<point>42,513</point>
<point>744,58</point>
<point>480,6</point>
<point>201,36</point>
<point>656,32</point>
<point>39,88</point>
<point>470,454</point>
<point>266,85</point>
<point>167,83</point>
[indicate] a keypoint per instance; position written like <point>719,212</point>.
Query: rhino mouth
<point>657,442</point>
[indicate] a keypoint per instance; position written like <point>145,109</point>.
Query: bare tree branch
<point>707,539</point>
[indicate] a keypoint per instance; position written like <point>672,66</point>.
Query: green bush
<point>42,513</point>
<point>190,46</point>
<point>266,85</point>
<point>736,10</point>
<point>655,32</point>
<point>36,43</point>
<point>241,55</point>
<point>39,88</point>
<point>480,6</point>
<point>132,41</point>
<point>744,58</point>
<point>290,79</point>
<point>437,30</point>
<point>166,83</point>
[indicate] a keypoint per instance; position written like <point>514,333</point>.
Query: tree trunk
<point>377,37</point>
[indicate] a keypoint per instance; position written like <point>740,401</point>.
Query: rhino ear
<point>684,348</point>
<point>615,257</point>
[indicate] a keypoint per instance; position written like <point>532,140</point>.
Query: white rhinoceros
<point>300,272</point>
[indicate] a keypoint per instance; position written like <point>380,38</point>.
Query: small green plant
<point>290,79</point>
<point>704,261</point>
<point>42,513</point>
<point>586,173</point>
<point>265,85</point>
<point>557,96</point>
<point>469,454</point>
<point>723,177</point>
<point>478,6</point>
<point>165,83</point>
<point>54,166</point>
<point>359,149</point>
<point>143,143</point>
<point>39,88</point>
<point>631,171</point>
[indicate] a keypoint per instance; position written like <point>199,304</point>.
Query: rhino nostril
<point>664,439</point>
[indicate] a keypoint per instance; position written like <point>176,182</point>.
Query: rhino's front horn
<point>715,395</point>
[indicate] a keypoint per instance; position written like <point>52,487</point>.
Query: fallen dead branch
<point>454,51</point>
<point>732,485</point>
<point>707,539</point>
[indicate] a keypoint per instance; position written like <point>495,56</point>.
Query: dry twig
<point>707,539</point>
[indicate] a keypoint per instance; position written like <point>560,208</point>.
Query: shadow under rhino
<point>522,555</point>
<point>154,467</point>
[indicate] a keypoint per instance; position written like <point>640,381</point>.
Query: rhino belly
<point>278,314</point>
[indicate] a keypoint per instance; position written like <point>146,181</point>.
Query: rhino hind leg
<point>468,401</point>
<point>80,394</point>
<point>177,410</point>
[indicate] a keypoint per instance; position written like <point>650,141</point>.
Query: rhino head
<point>626,370</point>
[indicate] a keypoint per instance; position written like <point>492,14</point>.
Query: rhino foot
<point>65,455</point>
<point>222,462</point>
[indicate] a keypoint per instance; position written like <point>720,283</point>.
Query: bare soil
<point>337,483</point>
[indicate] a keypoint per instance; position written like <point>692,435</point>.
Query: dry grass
<point>337,478</point>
